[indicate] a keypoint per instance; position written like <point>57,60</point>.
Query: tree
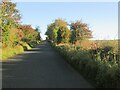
<point>37,28</point>
<point>30,34</point>
<point>51,32</point>
<point>63,35</point>
<point>58,31</point>
<point>80,31</point>
<point>9,19</point>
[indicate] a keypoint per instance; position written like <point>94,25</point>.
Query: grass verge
<point>8,52</point>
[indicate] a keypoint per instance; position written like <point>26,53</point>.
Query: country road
<point>41,67</point>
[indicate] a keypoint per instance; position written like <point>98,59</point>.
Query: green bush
<point>102,73</point>
<point>25,46</point>
<point>107,75</point>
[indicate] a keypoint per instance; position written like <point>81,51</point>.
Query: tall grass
<point>0,51</point>
<point>11,51</point>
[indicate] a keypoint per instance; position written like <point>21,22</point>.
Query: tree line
<point>59,32</point>
<point>12,30</point>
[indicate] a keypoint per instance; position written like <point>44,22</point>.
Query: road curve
<point>41,67</point>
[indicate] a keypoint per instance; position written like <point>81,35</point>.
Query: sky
<point>102,17</point>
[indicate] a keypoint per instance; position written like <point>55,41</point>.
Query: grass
<point>25,46</point>
<point>100,43</point>
<point>0,54</point>
<point>0,51</point>
<point>12,51</point>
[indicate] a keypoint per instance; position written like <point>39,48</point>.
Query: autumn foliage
<point>14,34</point>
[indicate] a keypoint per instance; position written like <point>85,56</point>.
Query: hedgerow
<point>103,73</point>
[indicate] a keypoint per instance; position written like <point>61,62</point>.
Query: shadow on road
<point>40,67</point>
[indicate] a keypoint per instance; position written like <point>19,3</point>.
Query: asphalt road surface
<point>41,67</point>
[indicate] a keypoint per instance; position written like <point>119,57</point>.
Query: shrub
<point>25,46</point>
<point>106,76</point>
<point>103,73</point>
